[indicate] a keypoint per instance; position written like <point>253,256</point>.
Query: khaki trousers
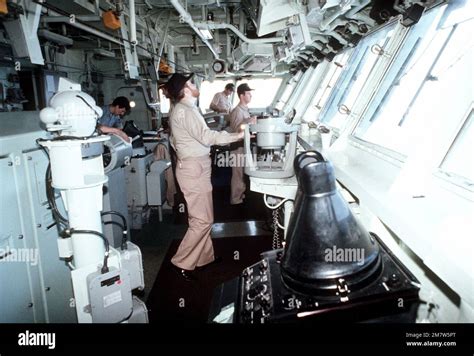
<point>237,184</point>
<point>194,178</point>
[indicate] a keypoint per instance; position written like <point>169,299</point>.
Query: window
<point>289,87</point>
<point>354,77</point>
<point>459,161</point>
<point>326,87</point>
<point>358,80</point>
<point>263,93</point>
<point>430,90</point>
<point>208,90</point>
<point>164,103</point>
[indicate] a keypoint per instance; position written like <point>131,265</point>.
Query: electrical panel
<point>36,283</point>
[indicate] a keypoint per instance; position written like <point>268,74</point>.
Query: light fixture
<point>206,33</point>
<point>132,104</point>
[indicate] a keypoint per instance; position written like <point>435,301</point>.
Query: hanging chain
<point>276,243</point>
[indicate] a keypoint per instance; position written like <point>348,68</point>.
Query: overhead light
<point>132,104</point>
<point>206,34</point>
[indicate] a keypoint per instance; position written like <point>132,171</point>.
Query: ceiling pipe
<point>87,28</point>
<point>162,46</point>
<point>133,22</point>
<point>84,18</point>
<point>186,17</point>
<point>224,26</point>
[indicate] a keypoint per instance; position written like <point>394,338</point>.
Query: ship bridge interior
<point>357,201</point>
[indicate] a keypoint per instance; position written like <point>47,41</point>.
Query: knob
<point>394,281</point>
<point>253,292</point>
<point>265,301</point>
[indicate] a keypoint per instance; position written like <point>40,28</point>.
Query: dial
<point>218,66</point>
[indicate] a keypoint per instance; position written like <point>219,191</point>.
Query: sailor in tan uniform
<point>240,115</point>
<point>221,101</point>
<point>192,139</point>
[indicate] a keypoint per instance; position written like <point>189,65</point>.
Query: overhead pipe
<point>241,20</point>
<point>224,26</point>
<point>147,3</point>
<point>83,18</point>
<point>57,17</point>
<point>86,28</point>
<point>229,19</point>
<point>162,45</point>
<point>171,59</point>
<point>133,22</point>
<point>186,17</point>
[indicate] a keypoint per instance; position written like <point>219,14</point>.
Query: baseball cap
<point>242,88</point>
<point>177,82</point>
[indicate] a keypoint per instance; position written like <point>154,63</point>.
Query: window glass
<point>429,88</point>
<point>208,90</point>
<point>164,103</point>
<point>354,76</point>
<point>263,93</point>
<point>459,160</point>
<point>359,78</point>
<point>327,85</point>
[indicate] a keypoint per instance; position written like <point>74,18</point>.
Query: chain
<point>276,243</point>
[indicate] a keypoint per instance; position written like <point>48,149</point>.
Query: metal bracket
<point>23,33</point>
<point>131,64</point>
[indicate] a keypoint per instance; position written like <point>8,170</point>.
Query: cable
<point>278,221</point>
<point>60,220</point>
<point>113,223</point>
<point>275,206</point>
<point>276,242</point>
<point>105,267</point>
<point>112,212</point>
<point>123,246</point>
<point>89,105</point>
<point>123,226</point>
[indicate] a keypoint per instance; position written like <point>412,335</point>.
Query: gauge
<point>218,66</point>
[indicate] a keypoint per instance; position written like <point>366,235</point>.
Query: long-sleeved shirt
<point>221,103</point>
<point>190,135</point>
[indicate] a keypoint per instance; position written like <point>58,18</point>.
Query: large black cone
<point>326,245</point>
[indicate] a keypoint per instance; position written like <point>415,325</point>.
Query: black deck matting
<point>172,299</point>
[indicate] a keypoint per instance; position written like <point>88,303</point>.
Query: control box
<point>110,296</point>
